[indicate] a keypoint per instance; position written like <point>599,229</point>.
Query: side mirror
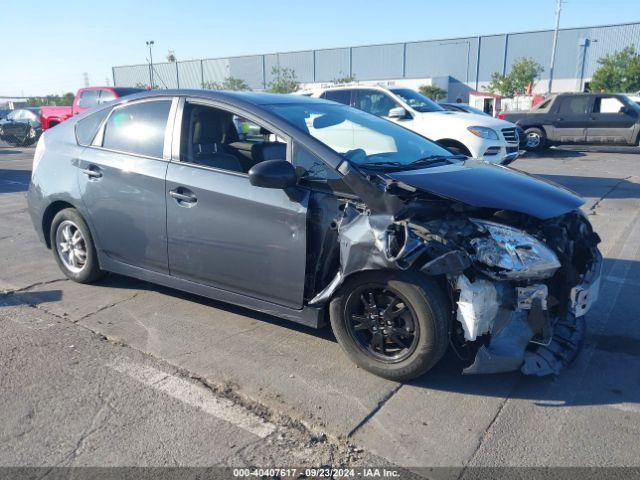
<point>273,174</point>
<point>397,112</point>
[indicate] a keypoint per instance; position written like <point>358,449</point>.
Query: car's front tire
<point>73,247</point>
<point>393,324</point>
<point>536,139</point>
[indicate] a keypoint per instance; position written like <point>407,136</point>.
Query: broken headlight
<point>512,254</point>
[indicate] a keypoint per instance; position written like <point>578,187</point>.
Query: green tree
<point>229,83</point>
<point>51,100</point>
<point>618,72</point>
<point>433,92</point>
<point>523,73</point>
<point>284,80</point>
<point>345,79</point>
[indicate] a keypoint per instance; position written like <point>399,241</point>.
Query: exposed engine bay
<point>519,285</point>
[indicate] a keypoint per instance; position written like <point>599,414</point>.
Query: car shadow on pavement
<point>13,299</point>
<point>119,281</point>
<point>12,181</point>
<point>596,187</point>
<point>8,151</point>
<point>553,153</point>
<point>605,372</point>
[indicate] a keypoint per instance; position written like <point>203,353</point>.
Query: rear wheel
<point>73,247</point>
<point>393,324</point>
<point>536,139</point>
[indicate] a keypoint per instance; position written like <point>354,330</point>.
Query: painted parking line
<point>196,396</point>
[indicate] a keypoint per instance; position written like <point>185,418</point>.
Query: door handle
<point>92,172</point>
<point>182,195</point>
<point>559,119</point>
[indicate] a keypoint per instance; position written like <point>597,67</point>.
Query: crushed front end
<point>519,285</point>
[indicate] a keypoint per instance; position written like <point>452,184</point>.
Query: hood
<point>465,119</point>
<point>483,185</point>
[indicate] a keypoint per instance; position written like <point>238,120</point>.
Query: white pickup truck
<point>478,136</point>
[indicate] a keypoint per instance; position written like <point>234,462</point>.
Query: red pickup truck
<point>85,98</point>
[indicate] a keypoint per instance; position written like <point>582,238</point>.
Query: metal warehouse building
<point>457,64</point>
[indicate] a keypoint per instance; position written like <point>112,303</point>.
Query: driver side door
<point>222,231</point>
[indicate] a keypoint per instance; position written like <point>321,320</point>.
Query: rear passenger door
<point>571,119</point>
<point>222,231</point>
<point>611,121</point>
<point>122,182</point>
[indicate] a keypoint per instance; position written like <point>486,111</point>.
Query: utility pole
<point>149,45</point>
<point>555,43</point>
<point>85,77</point>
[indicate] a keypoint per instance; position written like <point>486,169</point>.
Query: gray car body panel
<point>250,252</point>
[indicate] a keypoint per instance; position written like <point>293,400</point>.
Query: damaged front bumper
<point>527,337</point>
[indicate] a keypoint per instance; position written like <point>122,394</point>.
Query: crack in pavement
<point>375,410</point>
<point>620,181</point>
<point>32,285</point>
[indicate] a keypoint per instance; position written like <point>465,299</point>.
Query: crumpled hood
<point>480,184</point>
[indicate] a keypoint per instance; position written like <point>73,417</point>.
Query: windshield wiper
<point>437,158</point>
<point>382,164</point>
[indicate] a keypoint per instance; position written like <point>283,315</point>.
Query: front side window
<point>607,105</point>
<point>138,128</point>
<point>363,139</point>
<point>340,96</point>
<point>374,102</point>
<point>88,99</point>
<point>216,138</point>
<point>574,105</point>
<point>417,101</point>
<point>313,172</point>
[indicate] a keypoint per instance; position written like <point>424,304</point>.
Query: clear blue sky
<point>48,45</point>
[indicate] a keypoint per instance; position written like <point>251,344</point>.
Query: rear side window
<point>607,105</point>
<point>106,96</point>
<point>88,98</point>
<point>340,96</point>
<point>574,105</point>
<point>138,128</point>
<point>87,128</point>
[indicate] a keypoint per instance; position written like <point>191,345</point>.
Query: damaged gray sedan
<point>315,212</point>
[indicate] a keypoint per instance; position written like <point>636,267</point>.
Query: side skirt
<point>309,316</point>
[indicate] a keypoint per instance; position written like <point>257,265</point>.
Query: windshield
<point>416,100</point>
<point>363,139</point>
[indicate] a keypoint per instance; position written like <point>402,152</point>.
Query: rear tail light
<point>501,116</point>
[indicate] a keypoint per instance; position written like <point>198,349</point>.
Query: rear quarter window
<point>87,128</point>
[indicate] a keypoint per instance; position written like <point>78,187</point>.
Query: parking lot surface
<point>129,373</point>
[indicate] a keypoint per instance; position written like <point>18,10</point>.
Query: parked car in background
<point>580,118</point>
<point>307,209</point>
<point>462,107</point>
<point>21,127</point>
<point>477,136</point>
<point>85,98</point>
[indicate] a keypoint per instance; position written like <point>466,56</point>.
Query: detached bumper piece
<point>529,340</point>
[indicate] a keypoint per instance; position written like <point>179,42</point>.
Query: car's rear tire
<point>393,324</point>
<point>73,247</point>
<point>536,139</point>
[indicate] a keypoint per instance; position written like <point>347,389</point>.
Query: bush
<point>285,80</point>
<point>433,92</point>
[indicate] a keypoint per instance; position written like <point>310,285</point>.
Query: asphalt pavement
<point>125,373</point>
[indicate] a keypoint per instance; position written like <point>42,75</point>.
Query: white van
<point>478,136</point>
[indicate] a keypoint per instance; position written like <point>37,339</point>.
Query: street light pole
<point>555,43</point>
<point>150,44</point>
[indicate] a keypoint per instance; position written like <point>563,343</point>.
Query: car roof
<point>254,98</point>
